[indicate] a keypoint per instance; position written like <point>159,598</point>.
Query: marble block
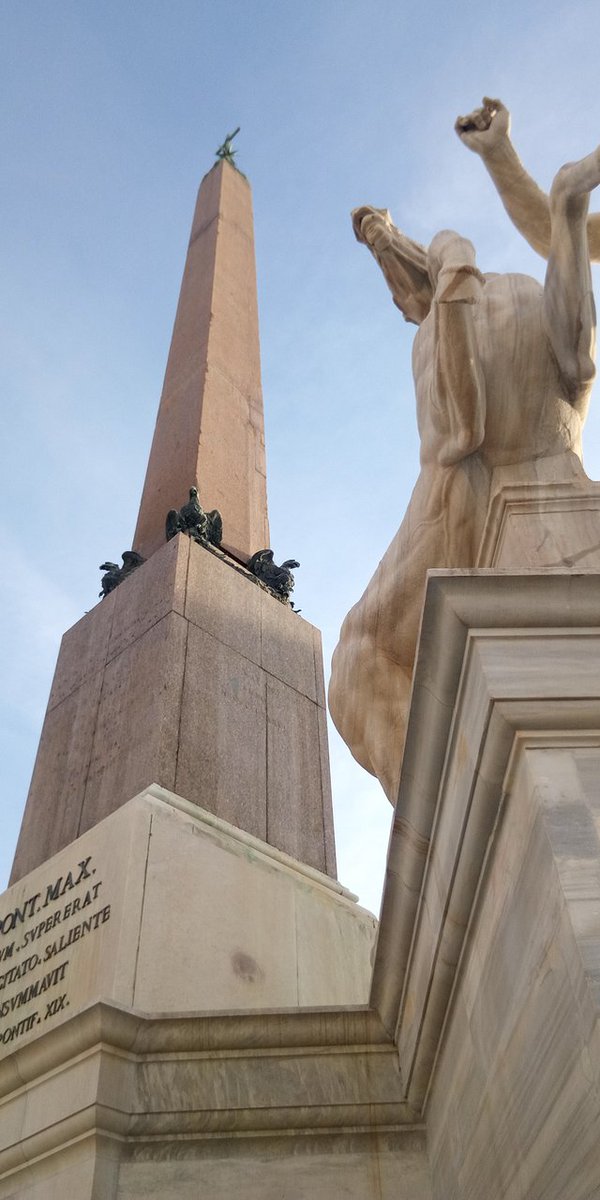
<point>184,1009</point>
<point>165,908</point>
<point>117,1106</point>
<point>487,966</point>
<point>192,676</point>
<point>544,514</point>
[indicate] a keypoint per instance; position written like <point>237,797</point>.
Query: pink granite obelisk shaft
<point>210,426</point>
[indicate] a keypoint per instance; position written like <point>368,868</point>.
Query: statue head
<point>403,262</point>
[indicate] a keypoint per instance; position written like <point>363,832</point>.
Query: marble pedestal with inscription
<point>160,909</point>
<point>164,908</point>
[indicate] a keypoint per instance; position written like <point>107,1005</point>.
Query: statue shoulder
<point>512,282</point>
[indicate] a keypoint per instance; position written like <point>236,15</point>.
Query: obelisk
<point>210,426</point>
<point>190,675</point>
<point>175,873</point>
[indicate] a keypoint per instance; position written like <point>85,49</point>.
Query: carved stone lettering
<point>36,964</point>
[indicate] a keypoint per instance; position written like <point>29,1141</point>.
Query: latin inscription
<point>36,943</point>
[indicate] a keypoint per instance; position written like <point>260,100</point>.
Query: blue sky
<point>111,116</point>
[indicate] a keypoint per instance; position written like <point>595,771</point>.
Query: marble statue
<point>503,370</point>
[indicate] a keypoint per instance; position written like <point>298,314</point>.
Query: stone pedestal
<point>186,1018</point>
<point>197,1022</point>
<point>488,956</point>
<point>163,907</point>
<point>542,514</point>
<point>192,676</point>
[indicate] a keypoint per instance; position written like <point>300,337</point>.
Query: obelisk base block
<point>164,908</point>
<point>192,676</point>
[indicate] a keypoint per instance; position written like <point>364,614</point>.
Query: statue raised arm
<point>503,370</point>
<point>486,131</point>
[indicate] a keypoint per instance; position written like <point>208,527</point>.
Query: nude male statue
<point>503,371</point>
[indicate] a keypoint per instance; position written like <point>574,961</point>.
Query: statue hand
<point>372,226</point>
<point>486,128</point>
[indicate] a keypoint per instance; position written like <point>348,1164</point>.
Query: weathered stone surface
<point>185,649</point>
<point>522,1050</point>
<point>76,1174</point>
<point>322,951</point>
<point>83,651</point>
<point>165,908</point>
<point>233,945</point>
<point>69,932</point>
<point>153,590</point>
<point>224,604</point>
<point>298,795</point>
<point>348,1169</point>
<point>544,514</point>
<point>221,744</point>
<point>488,954</point>
<point>180,1103</point>
<point>288,649</point>
<point>566,786</point>
<point>203,918</point>
<point>53,811</point>
<point>137,725</point>
<point>330,860</point>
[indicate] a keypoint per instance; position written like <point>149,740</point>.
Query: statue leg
<point>569,310</point>
<point>372,666</point>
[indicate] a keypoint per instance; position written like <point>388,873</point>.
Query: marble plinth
<point>542,514</point>
<point>117,1105</point>
<point>488,957</point>
<point>164,908</point>
<point>208,1034</point>
<point>191,676</point>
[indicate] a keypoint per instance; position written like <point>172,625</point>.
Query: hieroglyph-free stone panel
<point>192,676</point>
